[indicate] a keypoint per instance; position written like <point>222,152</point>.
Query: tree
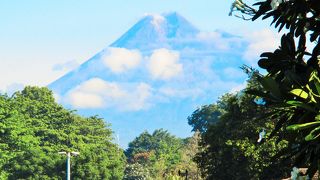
<point>141,144</point>
<point>188,152</point>
<point>203,117</point>
<point>34,128</point>
<point>229,147</point>
<point>137,171</point>
<point>291,88</point>
<point>158,152</point>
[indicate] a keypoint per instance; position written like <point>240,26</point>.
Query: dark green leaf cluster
<point>229,147</point>
<point>299,16</point>
<point>34,128</point>
<point>203,117</point>
<point>291,89</point>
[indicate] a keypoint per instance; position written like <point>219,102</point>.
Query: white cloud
<point>66,66</point>
<point>215,39</point>
<point>138,100</point>
<point>91,94</point>
<point>208,36</point>
<point>259,42</point>
<point>80,99</point>
<point>97,93</point>
<point>164,64</point>
<point>120,59</point>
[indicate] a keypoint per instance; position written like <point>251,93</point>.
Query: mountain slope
<point>154,76</point>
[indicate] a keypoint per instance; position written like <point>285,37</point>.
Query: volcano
<point>154,76</point>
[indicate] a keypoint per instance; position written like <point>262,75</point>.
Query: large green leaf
<point>302,105</point>
<point>271,85</point>
<point>314,134</point>
<point>296,127</point>
<point>317,84</point>
<point>314,78</point>
<point>300,93</point>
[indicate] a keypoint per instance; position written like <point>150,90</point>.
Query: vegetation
<point>291,87</point>
<point>33,129</point>
<point>229,147</point>
<point>228,142</point>
<point>161,155</point>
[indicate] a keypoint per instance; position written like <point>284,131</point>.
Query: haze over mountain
<point>154,76</point>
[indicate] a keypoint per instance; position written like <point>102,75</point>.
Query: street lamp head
<point>75,153</point>
<point>69,154</point>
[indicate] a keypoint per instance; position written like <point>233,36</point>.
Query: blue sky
<point>42,40</point>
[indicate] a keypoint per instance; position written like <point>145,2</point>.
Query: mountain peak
<point>172,68</point>
<point>156,20</point>
<point>153,29</point>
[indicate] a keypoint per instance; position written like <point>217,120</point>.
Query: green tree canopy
<point>203,117</point>
<point>34,128</point>
<point>229,147</point>
<point>160,155</point>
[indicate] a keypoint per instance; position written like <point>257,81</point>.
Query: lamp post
<point>69,154</point>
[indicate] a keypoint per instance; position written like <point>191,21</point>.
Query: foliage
<point>160,155</point>
<point>136,171</point>
<point>34,128</point>
<point>229,146</point>
<point>188,152</point>
<point>203,117</point>
<point>291,88</point>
